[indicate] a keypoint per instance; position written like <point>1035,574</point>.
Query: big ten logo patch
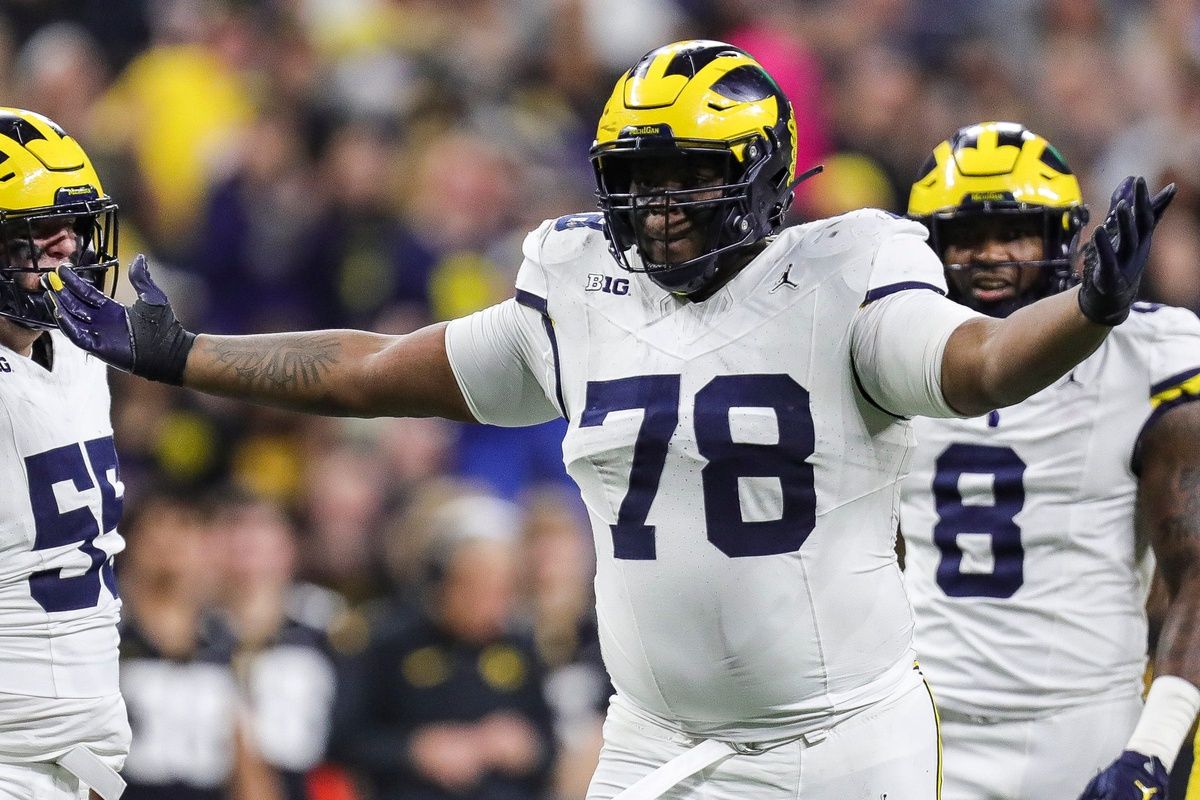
<point>606,283</point>
<point>4,367</point>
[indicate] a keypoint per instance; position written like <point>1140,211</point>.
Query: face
<point>169,551</point>
<point>984,251</point>
<point>54,241</point>
<point>258,546</point>
<point>479,590</point>
<point>668,233</point>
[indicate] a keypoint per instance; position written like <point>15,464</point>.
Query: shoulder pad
<point>1156,319</point>
<point>563,239</point>
<point>859,231</point>
<point>879,223</point>
<point>864,225</point>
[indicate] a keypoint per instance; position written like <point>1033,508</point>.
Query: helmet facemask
<point>970,227</point>
<point>93,223</point>
<point>654,190</point>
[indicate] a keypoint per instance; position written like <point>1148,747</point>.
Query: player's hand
<point>1132,776</point>
<point>1115,257</point>
<point>144,339</point>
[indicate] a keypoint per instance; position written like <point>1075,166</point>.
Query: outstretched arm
<point>990,363</point>
<point>916,353</point>
<point>1168,514</point>
<point>337,372</point>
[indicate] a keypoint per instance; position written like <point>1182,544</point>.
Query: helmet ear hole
<point>779,180</point>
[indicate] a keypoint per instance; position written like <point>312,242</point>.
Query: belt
<point>92,772</point>
<point>698,757</point>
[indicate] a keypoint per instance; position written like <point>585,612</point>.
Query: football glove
<point>1116,255</point>
<point>144,338</point>
<point>1132,776</point>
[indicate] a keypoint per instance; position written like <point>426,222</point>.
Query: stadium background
<point>375,164</point>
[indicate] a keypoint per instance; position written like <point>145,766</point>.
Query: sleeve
<point>899,335</point>
<point>505,358</point>
<point>496,356</point>
<point>903,261</point>
<point>1174,361</point>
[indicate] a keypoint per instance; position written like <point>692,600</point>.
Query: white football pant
<point>1052,756</point>
<point>39,781</point>
<point>886,752</point>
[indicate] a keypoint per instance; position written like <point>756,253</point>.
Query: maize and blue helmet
<point>702,102</point>
<point>1002,170</point>
<point>45,176</point>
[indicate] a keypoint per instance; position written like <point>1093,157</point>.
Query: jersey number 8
<point>995,520</point>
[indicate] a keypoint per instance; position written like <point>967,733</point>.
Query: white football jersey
<point>742,491</point>
<point>58,527</point>
<point>1021,560</point>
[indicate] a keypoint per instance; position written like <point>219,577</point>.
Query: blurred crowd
<point>397,609</point>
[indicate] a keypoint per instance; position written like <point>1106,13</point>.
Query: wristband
<point>160,344</point>
<point>1171,708</point>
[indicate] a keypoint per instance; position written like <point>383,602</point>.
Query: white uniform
<point>58,517</point>
<point>742,490</point>
<point>1026,576</point>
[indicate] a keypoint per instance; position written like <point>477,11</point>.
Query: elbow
<point>974,378</point>
<point>979,397</point>
<point>998,394</point>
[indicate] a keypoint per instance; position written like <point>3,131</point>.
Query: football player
<point>1026,530</point>
<point>736,396</point>
<point>63,725</point>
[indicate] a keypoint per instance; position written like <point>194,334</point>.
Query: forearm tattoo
<point>299,361</point>
<point>1179,528</point>
<point>1177,545</point>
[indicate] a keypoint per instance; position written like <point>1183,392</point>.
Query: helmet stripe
<point>21,131</point>
<point>745,84</point>
<point>690,60</point>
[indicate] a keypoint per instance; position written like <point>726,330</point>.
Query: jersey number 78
<point>728,460</point>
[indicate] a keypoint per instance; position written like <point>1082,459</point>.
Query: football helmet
<point>45,177</point>
<point>696,104</point>
<point>1002,171</point>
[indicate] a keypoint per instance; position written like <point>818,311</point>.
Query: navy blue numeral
<point>658,395</point>
<point>729,460</point>
<point>996,520</point>
<point>590,219</point>
<point>54,528</point>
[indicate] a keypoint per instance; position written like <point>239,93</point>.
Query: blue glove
<point>1115,257</point>
<point>144,339</point>
<point>1132,776</point>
